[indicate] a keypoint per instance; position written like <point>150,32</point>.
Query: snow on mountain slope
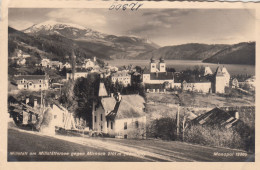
<point>68,30</point>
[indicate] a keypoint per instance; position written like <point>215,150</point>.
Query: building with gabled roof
<point>121,77</point>
<point>32,82</point>
<point>217,117</point>
<point>118,115</point>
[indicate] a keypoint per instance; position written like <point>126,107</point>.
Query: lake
<point>180,65</point>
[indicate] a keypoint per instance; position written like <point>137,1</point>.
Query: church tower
<point>162,65</point>
<point>153,66</point>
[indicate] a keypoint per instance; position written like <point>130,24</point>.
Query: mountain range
<point>56,40</point>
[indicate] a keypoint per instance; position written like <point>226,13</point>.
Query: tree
<point>86,92</point>
<point>63,72</point>
<point>67,98</point>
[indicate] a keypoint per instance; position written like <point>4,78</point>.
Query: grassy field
<point>164,105</point>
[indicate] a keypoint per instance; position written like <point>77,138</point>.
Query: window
<point>101,117</point>
<point>101,128</point>
<point>107,124</point>
<point>125,125</point>
<point>21,81</point>
<point>95,118</point>
<point>40,86</point>
<point>111,125</point>
<point>136,124</point>
<point>125,136</point>
<point>24,86</point>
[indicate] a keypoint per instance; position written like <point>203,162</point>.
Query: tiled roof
<point>130,106</point>
<point>30,77</point>
<point>193,79</point>
<point>162,76</point>
<point>216,116</point>
<point>120,74</point>
<point>108,103</point>
<point>154,86</point>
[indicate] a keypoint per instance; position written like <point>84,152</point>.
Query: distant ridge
<point>241,53</point>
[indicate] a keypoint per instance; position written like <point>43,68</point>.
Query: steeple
<point>102,92</point>
<point>153,66</point>
<point>162,65</point>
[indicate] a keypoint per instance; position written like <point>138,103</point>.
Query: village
<point>155,102</point>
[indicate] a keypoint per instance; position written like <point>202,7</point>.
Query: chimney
<point>35,103</point>
<point>237,115</point>
<point>112,94</point>
<point>27,100</point>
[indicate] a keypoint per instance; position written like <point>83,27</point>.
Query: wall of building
<point>98,124</point>
<point>44,85</point>
<point>203,87</point>
<point>125,80</point>
<point>135,127</point>
<point>220,84</point>
<point>76,75</point>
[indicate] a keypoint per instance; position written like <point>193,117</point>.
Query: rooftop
<point>30,77</point>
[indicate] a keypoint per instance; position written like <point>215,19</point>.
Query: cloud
<point>19,24</point>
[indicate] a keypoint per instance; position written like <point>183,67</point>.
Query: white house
<point>199,86</point>
<point>122,77</point>
<point>21,61</point>
<point>67,65</point>
<point>45,62</point>
<point>32,82</point>
<point>207,71</point>
<point>78,73</point>
<point>118,115</point>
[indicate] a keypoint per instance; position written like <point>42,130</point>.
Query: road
<point>21,143</point>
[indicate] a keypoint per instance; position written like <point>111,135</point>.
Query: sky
<point>161,26</point>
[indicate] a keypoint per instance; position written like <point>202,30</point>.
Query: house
<point>200,84</point>
<point>67,65</point>
<point>21,61</point>
<point>155,88</point>
<point>122,77</point>
<point>222,79</point>
<point>217,117</point>
<point>62,117</point>
<point>45,62</point>
<point>207,71</point>
<point>118,115</point>
<point>55,64</point>
<point>89,64</point>
<point>251,82</point>
<point>51,64</point>
<point>79,72</point>
<point>158,75</point>
<point>234,83</point>
<point>32,82</point>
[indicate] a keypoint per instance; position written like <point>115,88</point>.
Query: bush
<point>163,128</point>
<point>214,136</point>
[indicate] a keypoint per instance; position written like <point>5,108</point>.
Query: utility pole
<point>178,122</point>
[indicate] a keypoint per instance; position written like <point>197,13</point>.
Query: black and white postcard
<point>130,82</point>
